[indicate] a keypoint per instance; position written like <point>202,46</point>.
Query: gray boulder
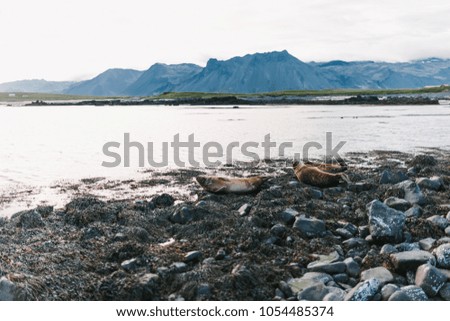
<point>442,253</point>
<point>411,260</point>
<point>390,177</point>
<point>396,203</point>
<point>413,194</point>
<point>385,224</point>
<point>364,291</point>
<point>434,183</point>
<point>430,279</point>
<point>439,221</point>
<point>380,273</point>
<point>307,280</point>
<point>409,293</point>
<point>310,227</point>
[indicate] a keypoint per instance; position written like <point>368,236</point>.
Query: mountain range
<point>252,73</point>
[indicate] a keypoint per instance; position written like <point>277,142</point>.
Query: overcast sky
<point>77,39</point>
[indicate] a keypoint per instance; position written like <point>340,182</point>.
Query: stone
<point>193,256</point>
<point>315,292</point>
<point>313,193</point>
<point>388,249</point>
<point>163,200</point>
<point>439,221</point>
<point>444,292</point>
<point>360,187</point>
<point>389,177</point>
<point>181,216</point>
<point>294,184</point>
<point>364,231</point>
<point>279,230</point>
<point>363,291</point>
<point>388,290</point>
<point>413,194</point>
<point>442,253</point>
<point>310,227</point>
<point>355,242</point>
<point>7,289</point>
<point>423,161</point>
<point>434,183</point>
<point>344,233</point>
<point>336,295</point>
<point>409,293</point>
<point>447,231</point>
<point>307,280</point>
<point>396,203</point>
<point>385,224</point>
<point>340,278</point>
<point>380,273</point>
<point>405,247</point>
<point>411,260</point>
<point>430,279</point>
<point>427,244</point>
<point>178,267</point>
<point>29,219</point>
<point>288,216</point>
<point>244,209</point>
<point>286,289</point>
<point>352,267</point>
<point>276,191</point>
<point>414,211</point>
<point>329,268</point>
<point>130,265</point>
<point>353,229</point>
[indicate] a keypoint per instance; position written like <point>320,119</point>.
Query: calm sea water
<point>40,145</point>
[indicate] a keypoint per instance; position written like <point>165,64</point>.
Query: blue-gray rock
<point>364,291</point>
<point>310,227</point>
<point>351,228</point>
<point>439,221</point>
<point>7,289</point>
<point>313,193</point>
<point>344,233</point>
<point>307,280</point>
<point>286,289</point>
<point>163,200</point>
<point>411,260</point>
<point>388,290</point>
<point>385,224</point>
<point>413,194</point>
<point>178,267</point>
<point>388,249</point>
<point>360,187</point>
<point>389,177</point>
<point>28,219</point>
<point>397,203</point>
<point>204,291</point>
<point>294,184</point>
<point>442,254</point>
<point>288,216</point>
<point>352,267</point>
<point>434,183</point>
<point>380,273</point>
<point>278,230</point>
<point>443,240</point>
<point>444,292</point>
<point>130,265</point>
<point>414,211</point>
<point>335,295</point>
<point>427,244</point>
<point>405,247</point>
<point>276,191</point>
<point>364,231</point>
<point>355,242</point>
<point>244,209</point>
<point>447,231</point>
<point>340,278</point>
<point>181,216</point>
<point>315,292</point>
<point>430,279</point>
<point>193,256</point>
<point>329,268</point>
<point>409,293</point>
<point>448,216</point>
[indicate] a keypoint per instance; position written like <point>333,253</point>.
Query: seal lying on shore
<point>218,184</point>
<point>320,175</point>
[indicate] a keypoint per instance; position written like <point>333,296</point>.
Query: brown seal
<point>218,184</point>
<point>320,175</point>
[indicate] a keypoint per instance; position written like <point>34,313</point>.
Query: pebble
<point>386,224</point>
<point>363,291</point>
<point>329,268</point>
<point>315,292</point>
<point>388,249</point>
<point>405,247</point>
<point>288,216</point>
<point>388,290</point>
<point>163,200</point>
<point>310,227</point>
<point>360,187</point>
<point>244,209</point>
<point>181,216</point>
<point>7,289</point>
<point>178,267</point>
<point>389,177</point>
<point>444,292</point>
<point>355,242</point>
<point>364,231</point>
<point>286,289</point>
<point>340,278</point>
<point>434,183</point>
<point>193,256</point>
<point>427,244</point>
<point>351,228</point>
<point>344,233</point>
<point>130,265</point>
<point>220,255</point>
<point>411,260</point>
<point>279,230</point>
<point>439,221</point>
<point>397,203</point>
<point>380,273</point>
<point>313,193</point>
<point>204,291</point>
<point>409,293</point>
<point>413,194</point>
<point>414,211</point>
<point>430,279</point>
<point>352,267</point>
<point>442,254</point>
<point>307,280</point>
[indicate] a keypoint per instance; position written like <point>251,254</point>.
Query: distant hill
<point>36,86</point>
<point>261,72</point>
<point>160,78</point>
<point>112,82</point>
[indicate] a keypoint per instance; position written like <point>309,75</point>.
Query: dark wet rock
<point>220,255</point>
<point>139,234</point>
<point>390,177</point>
<point>178,267</point>
<point>352,228</point>
<point>130,265</point>
<point>430,279</point>
<point>288,216</point>
<point>364,231</point>
<point>427,244</point>
<point>308,280</point>
<point>434,183</point>
<point>193,256</point>
<point>286,289</point>
<point>163,200</point>
<point>86,210</point>
<point>278,230</point>
<point>444,292</point>
<point>447,231</point>
<point>28,219</point>
<point>439,221</point>
<point>204,292</point>
<point>443,240</point>
<point>355,242</point>
<point>335,295</point>
<point>364,291</point>
<point>380,273</point>
<point>340,278</point>
<point>385,223</point>
<point>409,293</point>
<point>388,290</point>
<point>319,291</point>
<point>411,277</point>
<point>44,210</point>
<point>7,289</point>
<point>405,247</point>
<point>421,161</point>
<point>411,260</point>
<point>412,191</point>
<point>182,216</point>
<point>244,209</point>
<point>329,268</point>
<point>313,193</point>
<point>360,187</point>
<point>276,191</point>
<point>294,184</point>
<point>310,227</point>
<point>344,233</point>
<point>352,267</point>
<point>442,253</point>
<point>414,211</point>
<point>388,249</point>
<point>397,203</point>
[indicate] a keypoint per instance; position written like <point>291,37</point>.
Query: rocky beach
<point>385,236</point>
